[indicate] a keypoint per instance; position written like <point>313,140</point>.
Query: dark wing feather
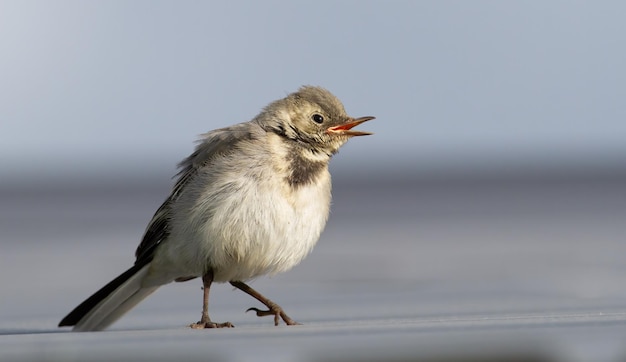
<point>214,143</point>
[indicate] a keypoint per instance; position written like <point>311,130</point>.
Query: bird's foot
<point>210,324</point>
<point>273,308</point>
<point>277,312</point>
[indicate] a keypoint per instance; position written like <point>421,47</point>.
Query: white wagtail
<point>252,199</point>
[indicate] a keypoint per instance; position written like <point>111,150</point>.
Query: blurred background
<point>495,183</point>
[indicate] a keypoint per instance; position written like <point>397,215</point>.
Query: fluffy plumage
<point>252,199</point>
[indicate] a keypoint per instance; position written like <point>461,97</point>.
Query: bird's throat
<point>305,165</point>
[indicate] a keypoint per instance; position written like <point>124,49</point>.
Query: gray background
<point>484,217</point>
<point>114,85</point>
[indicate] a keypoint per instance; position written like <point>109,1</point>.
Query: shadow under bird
<point>252,199</point>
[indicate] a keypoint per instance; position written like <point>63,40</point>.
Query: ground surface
<point>408,268</point>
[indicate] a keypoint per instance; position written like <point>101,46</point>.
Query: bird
<point>251,200</point>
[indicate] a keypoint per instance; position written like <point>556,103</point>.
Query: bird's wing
<point>217,142</point>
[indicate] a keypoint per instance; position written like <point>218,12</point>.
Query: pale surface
<point>407,268</point>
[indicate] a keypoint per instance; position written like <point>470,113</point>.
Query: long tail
<point>111,302</point>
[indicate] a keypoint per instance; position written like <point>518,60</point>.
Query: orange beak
<point>346,128</point>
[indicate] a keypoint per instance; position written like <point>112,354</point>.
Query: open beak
<point>346,128</point>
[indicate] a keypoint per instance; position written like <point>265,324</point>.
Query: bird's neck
<point>305,166</point>
<point>300,165</point>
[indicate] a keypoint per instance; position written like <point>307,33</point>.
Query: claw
<point>264,313</point>
<point>277,312</point>
<point>260,313</point>
<point>273,308</point>
<point>203,325</point>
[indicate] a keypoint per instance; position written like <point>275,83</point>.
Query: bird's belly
<point>264,235</point>
<point>257,230</point>
<point>242,230</point>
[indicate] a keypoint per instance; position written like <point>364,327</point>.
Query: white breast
<point>270,232</point>
<point>242,220</point>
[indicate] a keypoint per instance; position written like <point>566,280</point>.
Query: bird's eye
<point>317,118</point>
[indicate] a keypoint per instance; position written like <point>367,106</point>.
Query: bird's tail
<point>111,302</point>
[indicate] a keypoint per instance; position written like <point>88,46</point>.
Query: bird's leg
<point>273,308</point>
<point>205,321</point>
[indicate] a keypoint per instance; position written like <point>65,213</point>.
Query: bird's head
<point>315,118</point>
